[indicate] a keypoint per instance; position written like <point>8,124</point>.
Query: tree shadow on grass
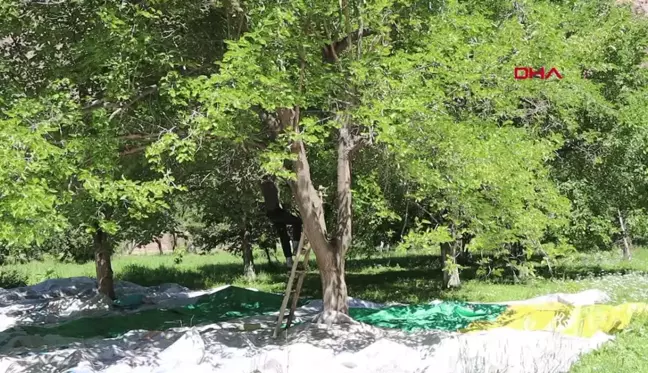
<point>401,279</point>
<point>573,272</point>
<point>408,261</point>
<point>394,286</point>
<point>406,279</point>
<point>201,277</point>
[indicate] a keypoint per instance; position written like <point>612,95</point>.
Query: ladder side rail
<point>300,282</point>
<point>289,286</point>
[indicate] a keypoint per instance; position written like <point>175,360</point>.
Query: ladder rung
<point>300,267</point>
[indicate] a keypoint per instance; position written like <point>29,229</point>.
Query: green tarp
<point>234,302</point>
<point>229,303</point>
<point>449,316</point>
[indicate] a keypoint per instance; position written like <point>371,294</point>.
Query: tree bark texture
<point>332,265</point>
<point>343,232</point>
<point>627,252</point>
<point>248,259</point>
<point>329,253</point>
<point>102,264</point>
<point>158,241</point>
<point>450,275</point>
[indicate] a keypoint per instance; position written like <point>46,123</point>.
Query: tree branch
<point>357,144</point>
<point>134,150</point>
<point>138,136</point>
<point>330,52</point>
<point>120,108</point>
<point>256,144</point>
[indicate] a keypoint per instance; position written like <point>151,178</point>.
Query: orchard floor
<point>406,279</point>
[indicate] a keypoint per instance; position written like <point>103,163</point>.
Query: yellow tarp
<point>581,321</point>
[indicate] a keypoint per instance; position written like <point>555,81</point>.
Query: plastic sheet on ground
<point>64,326</point>
<point>234,302</point>
<point>449,316</point>
<point>311,348</point>
<point>581,321</point>
<point>56,300</point>
<point>226,304</point>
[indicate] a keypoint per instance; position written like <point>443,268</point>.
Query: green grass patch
<point>627,354</point>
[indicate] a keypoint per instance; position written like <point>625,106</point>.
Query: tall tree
<point>87,76</point>
<point>223,185</point>
<point>295,70</point>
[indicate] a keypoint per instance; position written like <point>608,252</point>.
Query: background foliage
<point>143,117</point>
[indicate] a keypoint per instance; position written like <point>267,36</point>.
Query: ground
<point>397,278</point>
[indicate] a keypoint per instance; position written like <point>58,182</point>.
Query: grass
<point>392,278</point>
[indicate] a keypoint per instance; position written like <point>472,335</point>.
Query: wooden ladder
<point>301,253</point>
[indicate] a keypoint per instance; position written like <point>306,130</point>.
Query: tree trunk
<point>328,253</point>
<point>159,245</point>
<point>450,275</point>
<point>133,247</point>
<point>266,249</point>
<point>102,264</point>
<point>331,266</point>
<point>333,282</point>
<point>627,254</point>
<point>248,259</point>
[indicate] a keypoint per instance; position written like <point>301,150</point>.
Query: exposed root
<point>334,317</point>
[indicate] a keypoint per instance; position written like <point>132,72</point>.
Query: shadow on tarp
<point>233,302</point>
<point>229,303</point>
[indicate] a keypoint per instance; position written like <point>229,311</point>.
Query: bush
<point>71,245</point>
<point>12,279</point>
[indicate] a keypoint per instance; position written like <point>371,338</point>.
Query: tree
<point>223,184</point>
<point>30,167</point>
<point>485,182</point>
<point>86,75</point>
<point>276,72</point>
<point>418,97</point>
<point>600,166</point>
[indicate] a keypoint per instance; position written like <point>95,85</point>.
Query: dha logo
<point>522,73</point>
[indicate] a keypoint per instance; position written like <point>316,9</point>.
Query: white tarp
<point>311,348</point>
<point>246,345</point>
<point>68,298</point>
